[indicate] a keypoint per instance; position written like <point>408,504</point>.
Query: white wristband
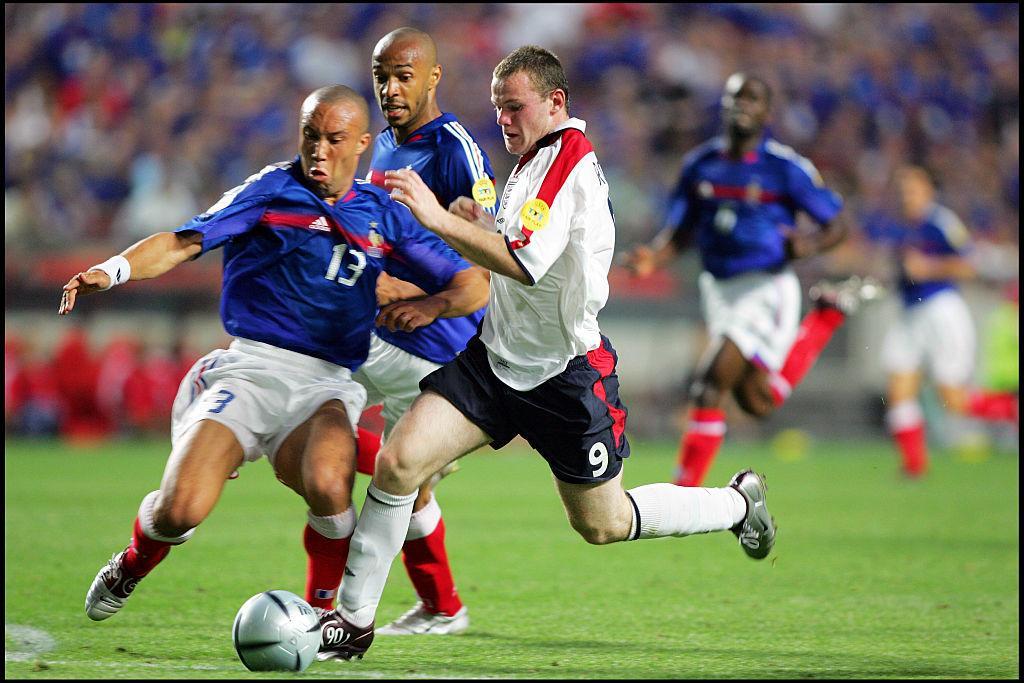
<point>116,268</point>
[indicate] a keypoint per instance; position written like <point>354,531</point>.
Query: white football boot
<point>756,531</point>
<point>419,621</point>
<point>110,589</point>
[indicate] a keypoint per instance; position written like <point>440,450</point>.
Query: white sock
<point>669,510</point>
<point>334,526</point>
<point>378,538</point>
<point>149,527</point>
<point>904,415</point>
<point>423,522</point>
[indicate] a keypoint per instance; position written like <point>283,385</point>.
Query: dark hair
<point>541,66</point>
<point>744,78</point>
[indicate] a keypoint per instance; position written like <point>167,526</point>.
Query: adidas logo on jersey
<point>320,224</point>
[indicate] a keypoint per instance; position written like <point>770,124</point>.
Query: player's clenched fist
<point>470,210</point>
<point>81,284</point>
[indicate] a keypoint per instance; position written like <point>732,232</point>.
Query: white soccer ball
<point>276,631</point>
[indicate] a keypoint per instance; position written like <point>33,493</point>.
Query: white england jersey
<point>557,222</point>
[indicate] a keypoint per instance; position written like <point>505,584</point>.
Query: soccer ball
<point>276,631</point>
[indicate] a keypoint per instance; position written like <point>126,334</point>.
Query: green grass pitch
<point>872,576</point>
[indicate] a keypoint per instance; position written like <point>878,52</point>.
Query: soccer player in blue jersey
<point>738,197</point>
<point>935,329</point>
<point>303,245</point>
<point>419,135</point>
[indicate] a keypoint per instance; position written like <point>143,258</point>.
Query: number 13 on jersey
<point>354,269</point>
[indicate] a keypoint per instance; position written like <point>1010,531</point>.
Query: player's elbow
<point>836,231</point>
<point>520,275</point>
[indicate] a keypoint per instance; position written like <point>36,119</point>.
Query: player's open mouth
<point>317,174</point>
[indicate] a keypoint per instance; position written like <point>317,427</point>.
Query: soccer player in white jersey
<point>935,331</point>
<point>303,244</point>
<point>540,367</point>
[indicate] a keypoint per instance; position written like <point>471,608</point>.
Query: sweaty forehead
<point>406,52</point>
<point>331,117</point>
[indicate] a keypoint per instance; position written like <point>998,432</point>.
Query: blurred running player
<point>738,197</point>
<point>303,245</point>
<point>539,367</point>
<point>935,330</point>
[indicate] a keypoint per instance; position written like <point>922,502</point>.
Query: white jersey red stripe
<point>572,148</point>
<point>532,331</point>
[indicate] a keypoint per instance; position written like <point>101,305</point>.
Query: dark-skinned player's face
<point>403,81</point>
<point>745,105</point>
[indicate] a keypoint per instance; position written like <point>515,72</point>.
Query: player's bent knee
<point>758,409</point>
<point>754,402</point>
<point>397,470</point>
<point>330,487</point>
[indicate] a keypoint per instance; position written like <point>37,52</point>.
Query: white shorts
<point>392,377</point>
<point>938,332</point>
<point>261,393</point>
<point>759,312</point>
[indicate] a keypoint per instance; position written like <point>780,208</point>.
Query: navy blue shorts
<point>575,419</point>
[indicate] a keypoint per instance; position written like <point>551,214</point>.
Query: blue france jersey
<point>301,274</point>
<point>940,234</point>
<point>451,164</point>
<point>740,209</point>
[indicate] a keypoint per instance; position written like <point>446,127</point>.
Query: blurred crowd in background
<point>125,119</point>
<point>86,393</point>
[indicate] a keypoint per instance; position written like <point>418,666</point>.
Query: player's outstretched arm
<point>645,259</point>
<point>922,267</point>
<point>147,258</point>
<point>465,293</point>
<point>484,248</point>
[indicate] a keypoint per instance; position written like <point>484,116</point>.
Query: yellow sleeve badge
<point>483,193</point>
<point>535,214</point>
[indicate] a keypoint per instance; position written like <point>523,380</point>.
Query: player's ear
<point>364,142</point>
<point>435,75</point>
<point>557,100</point>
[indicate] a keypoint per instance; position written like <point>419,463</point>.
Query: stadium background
<point>123,120</point>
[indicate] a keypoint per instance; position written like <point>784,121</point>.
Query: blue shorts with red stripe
<point>575,419</point>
